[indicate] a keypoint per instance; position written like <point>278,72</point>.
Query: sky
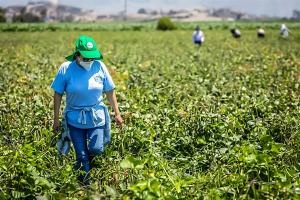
<point>278,8</point>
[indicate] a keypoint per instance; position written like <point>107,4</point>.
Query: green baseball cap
<point>87,48</point>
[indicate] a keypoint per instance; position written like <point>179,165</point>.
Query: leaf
<point>131,163</point>
<point>141,185</point>
<point>17,194</point>
<point>200,141</point>
<point>155,187</point>
<point>44,182</point>
<point>250,158</point>
<point>110,191</point>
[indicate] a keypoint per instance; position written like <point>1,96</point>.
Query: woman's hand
<point>56,126</point>
<point>113,102</point>
<point>119,120</point>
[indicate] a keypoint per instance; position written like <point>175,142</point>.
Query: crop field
<point>222,122</point>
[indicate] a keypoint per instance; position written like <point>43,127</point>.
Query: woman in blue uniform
<point>84,79</point>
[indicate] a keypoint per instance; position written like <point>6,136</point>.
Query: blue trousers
<point>87,143</point>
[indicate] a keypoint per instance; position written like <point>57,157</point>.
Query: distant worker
<point>260,33</point>
<point>198,36</point>
<point>236,33</point>
<point>284,31</point>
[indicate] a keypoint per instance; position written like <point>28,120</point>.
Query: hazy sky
<point>279,8</point>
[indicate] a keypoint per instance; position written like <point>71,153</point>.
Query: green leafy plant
<point>221,126</point>
<point>165,24</point>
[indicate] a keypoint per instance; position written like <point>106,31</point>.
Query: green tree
<point>27,17</point>
<point>2,15</point>
<point>165,23</point>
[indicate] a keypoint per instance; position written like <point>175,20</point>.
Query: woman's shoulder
<point>64,67</point>
<point>101,64</point>
<point>102,67</point>
<point>66,64</point>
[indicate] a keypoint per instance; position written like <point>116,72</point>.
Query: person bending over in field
<point>260,33</point>
<point>284,31</point>
<point>84,78</point>
<point>236,33</point>
<point>198,36</point>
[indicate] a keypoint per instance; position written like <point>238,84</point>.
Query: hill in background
<point>43,11</point>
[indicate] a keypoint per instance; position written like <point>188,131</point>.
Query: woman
<point>86,120</point>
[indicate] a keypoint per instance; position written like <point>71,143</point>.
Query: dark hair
<point>76,54</point>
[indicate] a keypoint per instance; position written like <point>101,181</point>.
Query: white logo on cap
<point>89,45</point>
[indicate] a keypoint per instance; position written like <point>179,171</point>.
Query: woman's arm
<point>111,96</point>
<point>57,102</point>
